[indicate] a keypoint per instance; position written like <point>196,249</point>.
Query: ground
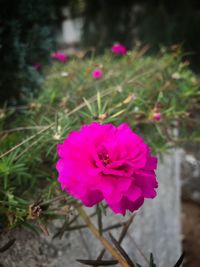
<point>191,233</point>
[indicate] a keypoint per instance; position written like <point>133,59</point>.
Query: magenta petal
<point>147,184</point>
<point>107,184</point>
<point>134,193</point>
<point>126,204</point>
<point>114,197</point>
<point>151,163</point>
<point>133,206</point>
<point>124,183</point>
<point>102,161</point>
<point>92,198</point>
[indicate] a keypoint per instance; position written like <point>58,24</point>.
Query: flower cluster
<point>60,56</point>
<point>37,66</point>
<point>97,73</point>
<point>104,162</point>
<point>157,116</point>
<point>119,49</point>
<point>156,113</point>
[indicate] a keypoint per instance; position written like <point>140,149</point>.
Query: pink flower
<point>119,49</point>
<point>60,56</point>
<point>97,73</point>
<point>37,66</point>
<point>104,162</point>
<point>157,116</point>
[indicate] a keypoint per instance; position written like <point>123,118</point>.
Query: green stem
<point>5,182</point>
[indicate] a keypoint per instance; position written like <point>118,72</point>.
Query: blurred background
<point>31,30</point>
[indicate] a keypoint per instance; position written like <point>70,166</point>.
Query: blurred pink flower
<point>157,116</point>
<point>37,66</point>
<point>60,56</point>
<point>119,49</point>
<point>104,162</point>
<point>97,73</point>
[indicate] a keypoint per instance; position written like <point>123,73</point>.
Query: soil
<point>191,233</point>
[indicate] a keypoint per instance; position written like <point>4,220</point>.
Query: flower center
<point>104,158</point>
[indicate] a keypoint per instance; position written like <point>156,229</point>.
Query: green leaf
<point>31,227</point>
<point>180,260</point>
<point>7,245</point>
<point>98,262</point>
<point>122,251</point>
<point>99,103</point>
<point>99,218</point>
<point>89,106</point>
<point>151,263</point>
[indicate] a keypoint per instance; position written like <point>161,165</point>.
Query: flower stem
<point>103,241</point>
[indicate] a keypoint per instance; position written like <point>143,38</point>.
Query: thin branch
<point>92,99</point>
<point>113,251</point>
<point>26,140</point>
<point>23,128</point>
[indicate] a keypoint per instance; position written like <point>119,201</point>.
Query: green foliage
<point>130,90</point>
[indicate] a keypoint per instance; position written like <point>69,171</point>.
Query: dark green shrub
<point>26,38</point>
